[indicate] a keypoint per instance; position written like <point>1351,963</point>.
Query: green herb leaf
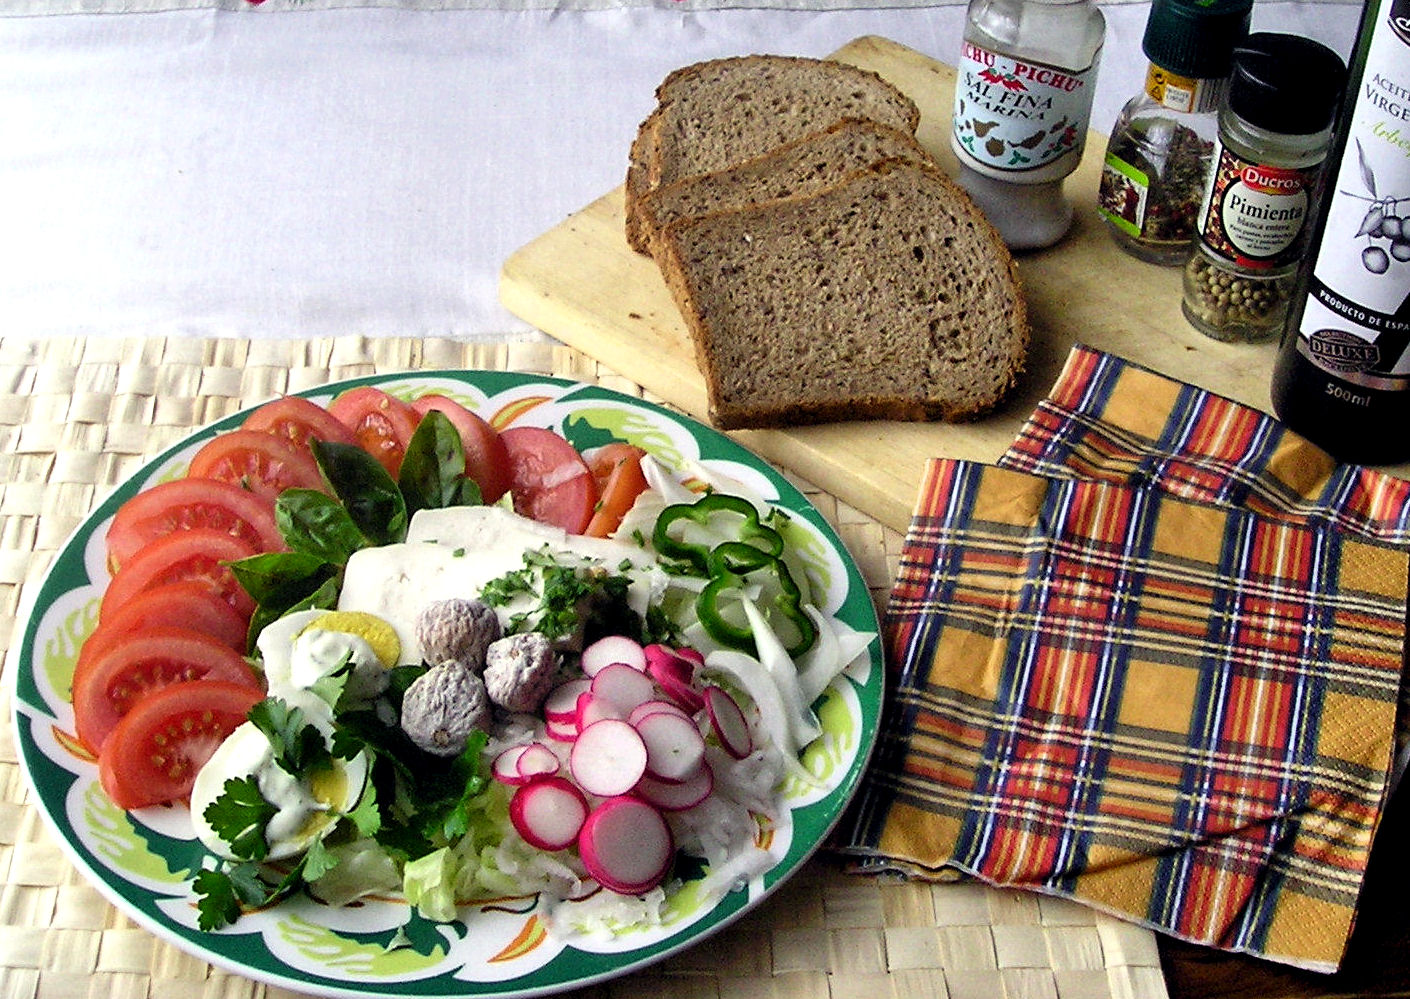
<point>433,470</point>
<point>316,524</point>
<point>218,904</point>
<point>299,747</point>
<point>371,498</point>
<point>280,579</point>
<point>239,816</point>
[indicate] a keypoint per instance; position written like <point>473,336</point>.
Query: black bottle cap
<point>1286,83</point>
<point>1196,38</point>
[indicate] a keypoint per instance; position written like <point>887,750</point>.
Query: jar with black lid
<point>1275,127</point>
<point>1162,142</point>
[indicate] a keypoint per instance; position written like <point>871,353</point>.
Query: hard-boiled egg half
<point>307,806</point>
<point>299,652</point>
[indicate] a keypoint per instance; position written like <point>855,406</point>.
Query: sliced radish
<point>623,685</point>
<point>549,813</point>
<point>663,661</point>
<point>608,758</point>
<point>613,649</point>
<point>505,767</point>
<point>592,708</point>
<point>681,693</point>
<point>728,723</point>
<point>677,797</point>
<point>562,702</point>
<point>537,760</point>
<point>626,845</point>
<point>691,655</point>
<point>653,707</point>
<point>561,731</point>
<point>674,747</point>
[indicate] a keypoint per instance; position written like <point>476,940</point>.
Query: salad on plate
<point>387,655</point>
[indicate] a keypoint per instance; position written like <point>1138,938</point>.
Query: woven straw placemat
<point>79,415</point>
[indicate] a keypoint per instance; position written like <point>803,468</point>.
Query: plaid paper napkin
<point>1160,676</point>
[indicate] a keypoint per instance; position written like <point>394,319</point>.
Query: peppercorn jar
<point>1161,145</point>
<point>1275,127</point>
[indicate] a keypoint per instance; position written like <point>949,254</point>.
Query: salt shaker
<point>1275,128</point>
<point>1161,144</point>
<point>1023,102</point>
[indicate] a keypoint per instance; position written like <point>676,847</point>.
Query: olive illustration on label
<point>1382,221</point>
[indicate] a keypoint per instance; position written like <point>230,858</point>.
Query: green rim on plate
<point>143,862</point>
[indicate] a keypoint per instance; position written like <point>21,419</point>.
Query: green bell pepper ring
<point>730,565</point>
<point>702,512</point>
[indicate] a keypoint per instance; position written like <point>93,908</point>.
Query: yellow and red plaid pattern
<point>1181,712</point>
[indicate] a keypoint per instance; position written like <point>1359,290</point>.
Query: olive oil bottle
<point>1342,377</point>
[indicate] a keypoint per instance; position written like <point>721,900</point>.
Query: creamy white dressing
<point>296,664</point>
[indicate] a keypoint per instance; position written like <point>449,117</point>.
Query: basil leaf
<point>279,579</point>
<point>433,469</point>
<point>317,524</point>
<point>371,498</point>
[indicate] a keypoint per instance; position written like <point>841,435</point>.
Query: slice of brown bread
<point>807,165</point>
<point>717,114</point>
<point>888,296</point>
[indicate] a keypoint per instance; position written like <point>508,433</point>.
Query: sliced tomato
<point>296,420</point>
<point>617,470</point>
<point>486,458</point>
<point>263,463</point>
<point>197,554</point>
<point>549,480</point>
<point>108,685</point>
<point>381,423</point>
<point>182,504</point>
<point>153,755</point>
<point>188,604</point>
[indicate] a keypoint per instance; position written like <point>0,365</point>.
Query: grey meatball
<point>520,671</point>
<point>457,630</point>
<point>442,707</point>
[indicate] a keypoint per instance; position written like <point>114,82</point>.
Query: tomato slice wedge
<point>486,458</point>
<point>263,463</point>
<point>108,685</point>
<point>296,419</point>
<point>617,471</point>
<point>195,554</point>
<point>182,504</point>
<point>382,424</point>
<point>187,604</point>
<point>549,480</point>
<point>153,755</point>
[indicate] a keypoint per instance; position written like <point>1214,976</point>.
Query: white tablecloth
<point>317,173</point>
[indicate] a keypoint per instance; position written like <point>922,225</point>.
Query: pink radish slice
<point>608,758</point>
<point>674,747</point>
<point>612,649</point>
<point>626,845</point>
<point>728,722</point>
<point>549,813</point>
<point>592,708</point>
<point>677,797</point>
<point>654,707</point>
<point>681,693</point>
<point>505,767</point>
<point>562,702</point>
<point>561,731</point>
<point>661,660</point>
<point>691,655</point>
<point>537,760</point>
<point>623,685</point>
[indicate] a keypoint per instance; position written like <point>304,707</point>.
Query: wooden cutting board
<point>582,284</point>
